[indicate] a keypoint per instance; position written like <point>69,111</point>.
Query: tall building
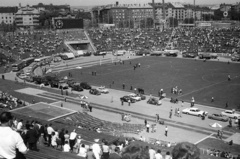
<point>27,17</point>
<point>116,13</point>
<point>7,14</point>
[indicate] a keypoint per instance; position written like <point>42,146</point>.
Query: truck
<point>207,55</point>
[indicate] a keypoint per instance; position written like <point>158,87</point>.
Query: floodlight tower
<point>154,12</point>
<point>164,12</point>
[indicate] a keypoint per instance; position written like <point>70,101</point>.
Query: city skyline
<point>100,2</point>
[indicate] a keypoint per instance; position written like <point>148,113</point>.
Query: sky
<point>103,2</point>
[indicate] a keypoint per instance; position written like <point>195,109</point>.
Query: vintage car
<point>85,85</point>
<point>154,101</point>
<point>62,85</point>
<point>94,92</point>
<point>77,87</point>
<point>134,96</point>
<point>219,117</point>
<point>230,114</point>
<point>194,111</point>
<point>189,54</point>
<point>143,97</point>
<point>102,89</point>
<point>127,98</point>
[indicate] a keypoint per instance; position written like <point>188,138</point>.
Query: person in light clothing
<point>10,139</point>
<point>72,139</point>
<point>158,155</point>
<point>96,149</point>
<point>82,151</point>
<point>66,147</point>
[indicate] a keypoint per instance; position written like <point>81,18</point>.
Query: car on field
<point>135,96</point>
<point>235,57</point>
<point>94,91</point>
<point>62,85</point>
<point>189,54</point>
<point>194,111</point>
<point>143,97</point>
<point>230,114</point>
<point>85,85</point>
<point>127,98</point>
<point>23,76</point>
<point>77,87</point>
<point>154,101</point>
<point>219,117</point>
<point>102,89</point>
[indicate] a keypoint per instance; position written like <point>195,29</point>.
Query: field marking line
<point>206,87</point>
<point>204,138</point>
<point>55,102</point>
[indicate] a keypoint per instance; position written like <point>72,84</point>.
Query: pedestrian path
<point>134,114</point>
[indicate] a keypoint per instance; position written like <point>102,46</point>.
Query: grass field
<point>198,79</point>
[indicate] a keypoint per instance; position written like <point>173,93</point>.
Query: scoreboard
<point>68,23</point>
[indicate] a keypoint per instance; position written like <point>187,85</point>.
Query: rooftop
<point>8,9</point>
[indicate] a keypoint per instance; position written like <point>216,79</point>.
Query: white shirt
<point>96,150</point>
<point>82,152</point>
<point>66,148</point>
<point>152,153</point>
<point>73,136</point>
<point>158,156</point>
<point>10,140</point>
<point>19,125</point>
<point>50,130</point>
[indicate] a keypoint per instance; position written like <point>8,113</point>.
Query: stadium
<point>143,86</point>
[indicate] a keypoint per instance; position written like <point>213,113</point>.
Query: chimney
<point>117,3</point>
<point>20,6</point>
<point>154,10</point>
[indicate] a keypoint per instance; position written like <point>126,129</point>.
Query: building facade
<point>137,12</point>
<point>7,15</point>
<point>27,17</point>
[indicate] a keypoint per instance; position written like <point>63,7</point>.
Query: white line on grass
<point>203,139</point>
<point>206,87</point>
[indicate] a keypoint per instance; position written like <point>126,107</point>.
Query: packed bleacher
<point>207,40</point>
<point>185,39</point>
<point>129,39</point>
<point>23,44</point>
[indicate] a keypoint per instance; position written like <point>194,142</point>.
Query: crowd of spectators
<point>207,40</point>
<point>222,154</point>
<point>129,39</point>
<point>185,39</point>
<point>24,44</point>
<point>7,101</point>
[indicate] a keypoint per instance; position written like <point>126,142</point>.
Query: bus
<point>18,66</point>
<point>43,60</point>
<point>28,61</point>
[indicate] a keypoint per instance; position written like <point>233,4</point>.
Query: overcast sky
<point>103,2</point>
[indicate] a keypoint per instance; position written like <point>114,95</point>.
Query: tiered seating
<point>85,120</point>
<point>208,40</point>
<point>129,39</point>
<point>38,43</point>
